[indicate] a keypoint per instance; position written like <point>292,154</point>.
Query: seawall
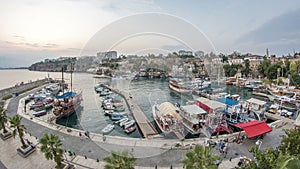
<point>17,89</point>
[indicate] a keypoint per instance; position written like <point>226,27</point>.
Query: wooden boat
<point>179,86</point>
<point>67,104</point>
<point>130,129</point>
<point>108,129</point>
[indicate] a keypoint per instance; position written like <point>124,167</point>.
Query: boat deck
<point>142,121</point>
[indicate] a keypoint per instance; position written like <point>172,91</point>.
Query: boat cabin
<point>193,117</point>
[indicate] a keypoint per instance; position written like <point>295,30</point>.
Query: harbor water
<point>146,92</point>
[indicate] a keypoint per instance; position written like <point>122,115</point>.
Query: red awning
<point>255,128</point>
<point>203,106</point>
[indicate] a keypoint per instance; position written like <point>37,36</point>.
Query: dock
<point>142,121</point>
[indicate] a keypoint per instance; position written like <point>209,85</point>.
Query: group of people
<point>222,146</point>
<point>86,133</point>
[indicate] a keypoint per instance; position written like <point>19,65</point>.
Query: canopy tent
<point>255,128</point>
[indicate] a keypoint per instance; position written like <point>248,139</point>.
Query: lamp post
<point>258,143</point>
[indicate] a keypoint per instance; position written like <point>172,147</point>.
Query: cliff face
<point>54,65</point>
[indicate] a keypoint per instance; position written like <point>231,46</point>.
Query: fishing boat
<point>166,117</point>
<point>117,116</point>
<point>128,124</point>
<point>193,118</point>
<point>130,129</point>
<point>121,120</point>
<point>107,129</point>
<point>40,113</point>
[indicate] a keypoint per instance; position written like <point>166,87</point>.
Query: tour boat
<point>179,86</point>
<point>67,104</point>
<point>193,118</point>
<point>166,117</point>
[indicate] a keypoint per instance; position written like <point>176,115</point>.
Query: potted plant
<point>19,129</point>
<point>3,120</point>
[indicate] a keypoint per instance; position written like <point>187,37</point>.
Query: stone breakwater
<point>23,87</point>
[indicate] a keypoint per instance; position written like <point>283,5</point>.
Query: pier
<point>142,121</point>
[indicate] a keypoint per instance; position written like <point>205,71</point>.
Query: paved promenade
<point>149,152</point>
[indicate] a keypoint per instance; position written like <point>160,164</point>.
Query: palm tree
<point>200,158</point>
<point>15,123</point>
<point>3,119</point>
<point>119,161</point>
<point>51,147</point>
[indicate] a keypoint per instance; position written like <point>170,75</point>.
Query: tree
<point>226,68</point>
<point>290,143</point>
<point>15,123</point>
<point>246,70</point>
<point>286,156</point>
<point>3,119</point>
<point>119,161</point>
<point>293,68</point>
<point>262,68</point>
<point>200,158</point>
<point>51,147</point>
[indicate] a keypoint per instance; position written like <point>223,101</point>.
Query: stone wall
<point>15,90</point>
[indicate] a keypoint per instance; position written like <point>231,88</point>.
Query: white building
<point>235,61</point>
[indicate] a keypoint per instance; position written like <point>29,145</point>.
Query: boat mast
<point>71,75</point>
<point>62,79</point>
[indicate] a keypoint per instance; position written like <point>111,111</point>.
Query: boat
<point>256,109</point>
<point>130,129</point>
<point>121,120</point>
<point>117,116</point>
<point>36,105</point>
<point>128,124</point>
<point>179,86</point>
<point>39,113</point>
<point>166,117</point>
<point>108,112</point>
<point>108,106</point>
<point>215,122</point>
<point>121,124</point>
<point>107,129</point>
<point>67,104</point>
<point>193,118</point>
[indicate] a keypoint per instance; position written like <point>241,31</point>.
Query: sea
<point>146,92</point>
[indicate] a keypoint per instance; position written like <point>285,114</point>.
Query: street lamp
<point>258,143</point>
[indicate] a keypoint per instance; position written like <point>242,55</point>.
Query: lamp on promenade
<point>258,143</point>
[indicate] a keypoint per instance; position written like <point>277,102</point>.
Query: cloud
<point>50,45</point>
<point>285,26</point>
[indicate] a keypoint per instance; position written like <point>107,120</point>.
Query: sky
<point>33,30</point>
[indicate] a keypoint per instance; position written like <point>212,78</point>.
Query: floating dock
<point>142,121</point>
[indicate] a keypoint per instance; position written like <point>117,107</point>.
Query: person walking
<point>80,136</point>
